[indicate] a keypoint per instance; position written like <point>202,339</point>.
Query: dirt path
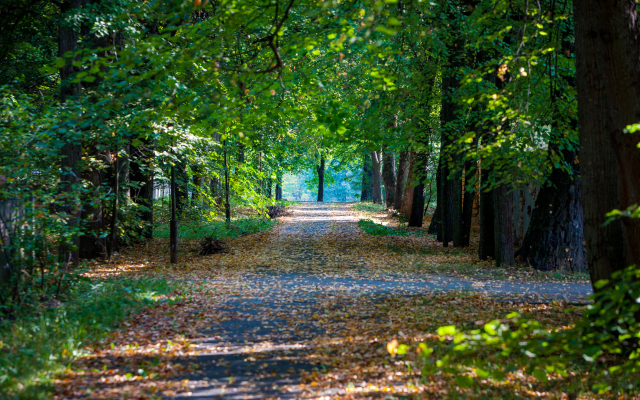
<point>264,346</point>
<point>304,311</point>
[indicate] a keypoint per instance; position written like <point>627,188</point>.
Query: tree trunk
<point>279,186</point>
<point>487,246</point>
<point>608,84</point>
<point>376,191</point>
<point>417,203</point>
<point>320,169</point>
<point>555,239</point>
<point>456,212</point>
<point>467,205</point>
<point>227,195</point>
<point>446,202</point>
<point>503,217</point>
<point>113,234</point>
<point>142,173</point>
<point>403,171</point>
<point>389,178</point>
<point>452,181</point>
<point>435,227</point>
<point>92,241</point>
<point>71,151</point>
<point>367,177</point>
<point>407,196</point>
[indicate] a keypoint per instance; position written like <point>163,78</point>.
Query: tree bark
<point>467,205</point>
<point>445,200</point>
<point>279,186</point>
<point>92,241</point>
<point>71,151</point>
<point>367,177</point>
<point>389,178</point>
<point>417,203</point>
<point>503,217</point>
<point>555,239</point>
<point>407,196</point>
<point>608,84</point>
<point>402,174</point>
<point>487,246</point>
<point>435,227</point>
<point>376,191</point>
<point>320,169</point>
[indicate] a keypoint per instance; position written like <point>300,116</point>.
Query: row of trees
<point>433,100</point>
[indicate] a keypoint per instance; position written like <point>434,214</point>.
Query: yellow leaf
<point>392,346</point>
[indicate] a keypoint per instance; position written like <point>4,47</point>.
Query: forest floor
<point>308,310</point>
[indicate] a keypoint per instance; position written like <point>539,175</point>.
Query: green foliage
<point>372,228</point>
<point>604,343</point>
<point>197,222</point>
<point>365,206</point>
<point>195,230</point>
<point>38,344</point>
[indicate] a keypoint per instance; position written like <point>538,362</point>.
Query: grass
<point>364,206</point>
<point>35,347</point>
<point>287,203</point>
<point>372,228</point>
<point>518,273</point>
<point>192,230</point>
<point>198,221</point>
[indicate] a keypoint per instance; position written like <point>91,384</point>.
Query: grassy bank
<point>39,344</point>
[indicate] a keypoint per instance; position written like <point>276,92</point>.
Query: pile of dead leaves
<point>211,246</point>
<point>277,211</point>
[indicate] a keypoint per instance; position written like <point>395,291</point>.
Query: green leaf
<point>385,30</point>
<point>540,375</point>
<point>464,381</point>
<point>490,327</point>
<point>393,22</point>
<point>482,374</point>
<point>447,330</point>
<point>601,283</point>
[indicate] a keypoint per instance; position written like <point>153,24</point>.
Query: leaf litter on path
<point>263,320</point>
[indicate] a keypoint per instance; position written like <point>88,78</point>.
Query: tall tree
<point>402,174</point>
<point>72,149</point>
<point>608,84</point>
<point>389,178</point>
<point>320,171</point>
<point>376,162</point>
<point>487,246</point>
<point>367,177</point>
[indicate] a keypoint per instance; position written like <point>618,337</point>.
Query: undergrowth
<point>518,273</point>
<point>372,228</point>
<point>364,206</point>
<point>199,220</point>
<point>37,345</point>
<point>192,230</point>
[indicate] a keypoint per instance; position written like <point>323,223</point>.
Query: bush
<point>604,344</point>
<point>372,228</point>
